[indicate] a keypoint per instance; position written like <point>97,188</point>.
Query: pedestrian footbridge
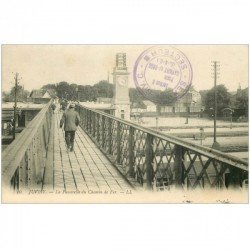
<point>114,154</point>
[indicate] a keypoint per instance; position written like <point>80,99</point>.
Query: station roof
<point>22,105</point>
<point>100,106</point>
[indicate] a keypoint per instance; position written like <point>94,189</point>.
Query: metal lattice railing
<point>158,161</point>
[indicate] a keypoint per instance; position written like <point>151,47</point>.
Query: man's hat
<point>72,105</point>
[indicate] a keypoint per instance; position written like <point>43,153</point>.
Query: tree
<point>83,93</point>
<point>163,97</point>
<point>167,96</point>
<point>88,93</point>
<point>49,86</point>
<point>223,99</point>
<point>135,96</point>
<point>64,90</point>
<point>104,89</point>
<point>242,101</point>
<point>21,94</point>
<point>6,96</point>
<point>203,93</point>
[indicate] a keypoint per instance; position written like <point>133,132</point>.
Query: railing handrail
<point>205,151</point>
<point>13,154</point>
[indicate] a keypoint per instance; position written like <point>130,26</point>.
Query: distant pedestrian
<point>70,120</point>
<point>53,107</point>
<point>10,128</point>
<point>64,105</point>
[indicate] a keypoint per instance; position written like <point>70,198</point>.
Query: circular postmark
<point>162,74</point>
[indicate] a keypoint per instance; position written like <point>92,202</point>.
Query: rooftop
<point>95,105</point>
<point>149,103</point>
<point>39,93</point>
<point>22,105</point>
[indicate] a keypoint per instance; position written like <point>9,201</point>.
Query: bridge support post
<point>81,116</point>
<point>86,119</point>
<point>118,141</point>
<point>23,180</point>
<point>98,128</point>
<point>149,161</point>
<point>178,166</point>
<point>31,170</point>
<point>36,153</point>
<point>85,113</point>
<point>90,122</point>
<point>40,147</point>
<point>94,124</point>
<point>131,144</point>
<point>103,132</point>
<point>109,136</point>
<point>235,178</point>
<point>49,165</point>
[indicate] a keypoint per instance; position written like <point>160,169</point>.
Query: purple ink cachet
<point>162,69</point>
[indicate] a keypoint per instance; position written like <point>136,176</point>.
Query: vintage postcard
<point>155,123</point>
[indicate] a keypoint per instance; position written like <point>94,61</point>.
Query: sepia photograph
<point>149,123</point>
<point>125,125</point>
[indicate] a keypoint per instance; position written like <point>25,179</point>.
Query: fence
<point>149,158</point>
<point>23,161</point>
<point>158,161</point>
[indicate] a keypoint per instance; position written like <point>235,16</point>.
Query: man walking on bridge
<point>71,120</point>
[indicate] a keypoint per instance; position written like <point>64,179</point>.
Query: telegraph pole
<point>215,145</point>
<point>15,106</point>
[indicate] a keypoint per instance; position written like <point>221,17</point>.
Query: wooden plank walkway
<point>86,168</point>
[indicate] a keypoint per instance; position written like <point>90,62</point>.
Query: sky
<point>38,65</point>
